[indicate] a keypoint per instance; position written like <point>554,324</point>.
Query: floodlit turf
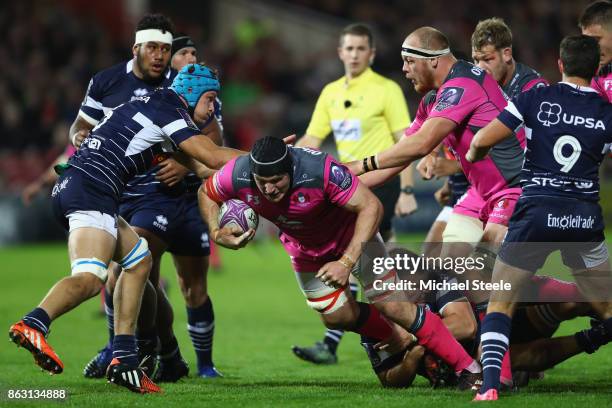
<point>260,313</point>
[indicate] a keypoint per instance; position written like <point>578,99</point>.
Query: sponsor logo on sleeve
<point>340,176</point>
<point>450,96</point>
<point>187,119</point>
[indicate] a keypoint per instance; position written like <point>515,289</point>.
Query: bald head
<point>427,58</point>
<point>427,38</point>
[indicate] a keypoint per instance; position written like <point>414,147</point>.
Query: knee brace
<point>326,302</point>
<point>90,265</point>
<point>137,254</point>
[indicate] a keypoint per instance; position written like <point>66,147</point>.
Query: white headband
<point>414,52</point>
<point>153,34</point>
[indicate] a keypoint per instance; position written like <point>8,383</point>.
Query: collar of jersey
<point>578,87</point>
<point>364,77</point>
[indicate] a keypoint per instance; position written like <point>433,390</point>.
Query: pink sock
<point>506,369</point>
<point>376,326</point>
<point>435,337</point>
<point>555,290</point>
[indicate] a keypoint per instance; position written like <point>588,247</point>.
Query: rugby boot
<point>171,370</point>
<point>490,395</point>
<point>318,354</point>
<point>132,378</point>
<point>468,380</point>
<point>96,368</point>
<point>209,372</point>
<point>34,341</point>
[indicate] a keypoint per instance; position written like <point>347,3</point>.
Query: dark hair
<point>158,21</point>
<point>359,29</point>
<point>181,41</point>
<point>270,157</point>
<point>599,12</point>
<point>492,31</point>
<point>580,56</point>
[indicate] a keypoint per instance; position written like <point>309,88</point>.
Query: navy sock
<point>124,348</point>
<point>39,320</point>
<point>495,342</point>
<point>332,337</point>
<point>110,314</point>
<point>169,350</point>
<point>201,327</point>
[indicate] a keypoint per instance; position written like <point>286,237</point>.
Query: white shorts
<point>444,214</point>
<point>462,228</point>
<point>93,219</point>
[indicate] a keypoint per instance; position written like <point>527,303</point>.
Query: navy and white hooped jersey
<point>568,130</point>
<point>148,187</point>
<point>125,143</point>
<point>113,86</point>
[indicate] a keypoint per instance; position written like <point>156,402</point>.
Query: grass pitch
<point>260,313</point>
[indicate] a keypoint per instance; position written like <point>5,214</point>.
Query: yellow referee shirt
<point>363,114</point>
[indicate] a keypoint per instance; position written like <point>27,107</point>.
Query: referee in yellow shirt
<point>366,113</point>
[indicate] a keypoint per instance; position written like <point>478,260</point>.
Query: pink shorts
<point>304,260</point>
<point>499,207</point>
<point>469,204</point>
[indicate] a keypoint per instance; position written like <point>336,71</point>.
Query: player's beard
<point>146,76</point>
<point>425,83</point>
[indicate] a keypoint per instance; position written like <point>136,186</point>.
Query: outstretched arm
<point>408,149</point>
<point>204,150</point>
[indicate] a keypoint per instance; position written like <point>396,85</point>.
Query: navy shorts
<point>541,225</point>
<point>175,220</point>
<point>76,191</point>
<point>388,195</point>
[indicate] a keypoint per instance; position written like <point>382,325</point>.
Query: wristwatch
<point>407,190</point>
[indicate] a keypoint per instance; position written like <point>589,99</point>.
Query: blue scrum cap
<point>193,80</point>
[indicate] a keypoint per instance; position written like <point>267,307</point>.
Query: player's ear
<point>434,62</point>
<point>371,61</point>
<point>507,54</point>
<point>560,65</point>
<point>135,49</point>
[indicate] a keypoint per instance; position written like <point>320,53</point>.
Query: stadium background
<point>274,58</point>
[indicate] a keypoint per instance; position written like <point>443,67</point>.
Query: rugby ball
<point>238,213</point>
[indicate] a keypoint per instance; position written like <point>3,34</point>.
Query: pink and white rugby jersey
<point>310,217</point>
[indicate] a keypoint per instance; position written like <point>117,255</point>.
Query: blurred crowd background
<point>274,58</point>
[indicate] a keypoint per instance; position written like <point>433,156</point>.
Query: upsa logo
<point>549,114</point>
